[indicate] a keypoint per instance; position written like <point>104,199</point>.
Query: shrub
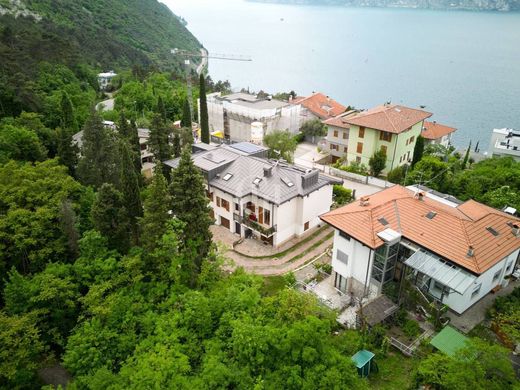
<point>299,138</point>
<point>411,328</point>
<point>341,194</point>
<point>327,268</point>
<point>397,174</point>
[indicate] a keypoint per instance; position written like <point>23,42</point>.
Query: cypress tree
<point>176,145</point>
<point>418,150</point>
<point>204,125</point>
<point>123,127</point>
<point>67,150</point>
<point>159,143</point>
<point>190,205</point>
<point>68,120</point>
<point>110,218</point>
<point>129,186</point>
<point>161,110</point>
<point>466,156</point>
<point>154,224</point>
<point>186,115</point>
<point>99,157</point>
<point>129,132</point>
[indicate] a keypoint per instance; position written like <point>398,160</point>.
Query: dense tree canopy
<point>282,144</point>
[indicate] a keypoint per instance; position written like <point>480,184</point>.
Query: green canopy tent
<point>449,341</point>
<point>364,362</point>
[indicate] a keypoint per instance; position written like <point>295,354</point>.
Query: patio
<point>327,293</point>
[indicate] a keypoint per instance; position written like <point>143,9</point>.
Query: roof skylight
<point>227,176</point>
<point>257,181</point>
<point>383,221</point>
<point>287,182</point>
<point>492,231</point>
<point>431,215</point>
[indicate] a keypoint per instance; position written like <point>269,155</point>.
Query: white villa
<point>240,116</point>
<point>105,78</point>
<point>505,142</point>
<point>255,197</point>
<point>454,252</point>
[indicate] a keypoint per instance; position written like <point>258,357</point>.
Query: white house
<point>505,142</point>
<point>252,196</point>
<point>435,133</point>
<point>455,252</point>
<point>233,115</point>
<point>105,78</point>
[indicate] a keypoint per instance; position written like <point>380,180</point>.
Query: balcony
<point>250,219</point>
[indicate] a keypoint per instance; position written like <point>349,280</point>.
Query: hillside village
<point>159,229</point>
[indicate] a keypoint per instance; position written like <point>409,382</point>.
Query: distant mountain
<point>93,34</point>
<point>476,5</point>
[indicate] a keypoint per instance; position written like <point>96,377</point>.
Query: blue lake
<point>463,66</point>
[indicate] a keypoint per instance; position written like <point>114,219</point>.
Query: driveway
<point>105,105</point>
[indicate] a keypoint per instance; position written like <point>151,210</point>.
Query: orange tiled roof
<point>320,105</point>
<point>389,117</point>
<point>340,120</point>
<point>449,233</point>
<point>434,130</point>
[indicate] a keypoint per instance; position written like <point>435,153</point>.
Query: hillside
<point>474,5</point>
<point>82,34</point>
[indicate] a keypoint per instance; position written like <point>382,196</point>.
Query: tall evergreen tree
<point>176,145</point>
<point>159,143</point>
<point>110,217</point>
<point>156,206</point>
<point>186,115</point>
<point>466,156</point>
<point>68,120</point>
<point>67,150</point>
<point>418,150</point>
<point>129,132</point>
<point>99,157</point>
<point>129,185</point>
<point>190,205</point>
<point>204,124</point>
<point>161,110</point>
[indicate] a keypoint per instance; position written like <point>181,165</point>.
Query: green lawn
<point>272,284</point>
<point>395,372</point>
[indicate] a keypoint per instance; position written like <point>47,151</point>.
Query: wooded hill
<point>87,36</point>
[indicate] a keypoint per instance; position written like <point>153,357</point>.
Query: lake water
<point>463,66</point>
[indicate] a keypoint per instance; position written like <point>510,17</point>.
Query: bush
<point>299,138</point>
<point>341,194</point>
<point>411,328</point>
<point>397,174</point>
<point>327,268</point>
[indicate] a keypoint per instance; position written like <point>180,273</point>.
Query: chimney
<point>420,195</point>
<point>515,229</point>
<point>471,251</point>
<point>364,201</point>
<point>268,171</point>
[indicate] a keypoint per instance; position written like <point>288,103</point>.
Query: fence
<point>369,180</point>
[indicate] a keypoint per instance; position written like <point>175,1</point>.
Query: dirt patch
<point>55,375</point>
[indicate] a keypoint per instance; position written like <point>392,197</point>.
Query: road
<point>108,105</point>
<point>204,62</point>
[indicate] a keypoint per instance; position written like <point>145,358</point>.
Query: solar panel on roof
<point>246,147</point>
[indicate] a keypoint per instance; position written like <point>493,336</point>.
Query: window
<point>411,139</point>
<point>359,147</point>
<point>345,149</point>
<point>335,133</point>
<point>306,226</point>
<point>345,135</point>
<point>237,207</point>
<point>333,147</point>
<point>227,176</point>
<point>361,132</point>
<point>496,276</point>
<point>384,149</point>
<point>342,256</point>
<point>210,195</point>
<point>344,235</point>
<point>224,204</point>
<point>218,201</point>
<point>267,217</point>
<point>509,267</point>
<point>476,290</point>
<point>385,136</point>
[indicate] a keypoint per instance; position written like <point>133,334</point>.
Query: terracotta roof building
<point>320,106</point>
<point>435,133</point>
<point>457,251</point>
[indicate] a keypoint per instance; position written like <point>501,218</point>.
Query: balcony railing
<point>249,219</point>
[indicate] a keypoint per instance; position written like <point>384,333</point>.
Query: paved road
<point>108,105</point>
<point>204,62</point>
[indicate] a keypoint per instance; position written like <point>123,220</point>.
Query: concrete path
<point>289,262</point>
<point>106,105</point>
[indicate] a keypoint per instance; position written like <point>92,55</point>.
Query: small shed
<point>449,341</point>
<point>363,361</point>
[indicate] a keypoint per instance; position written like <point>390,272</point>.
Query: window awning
<point>433,266</point>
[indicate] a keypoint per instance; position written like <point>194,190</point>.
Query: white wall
<point>460,303</point>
